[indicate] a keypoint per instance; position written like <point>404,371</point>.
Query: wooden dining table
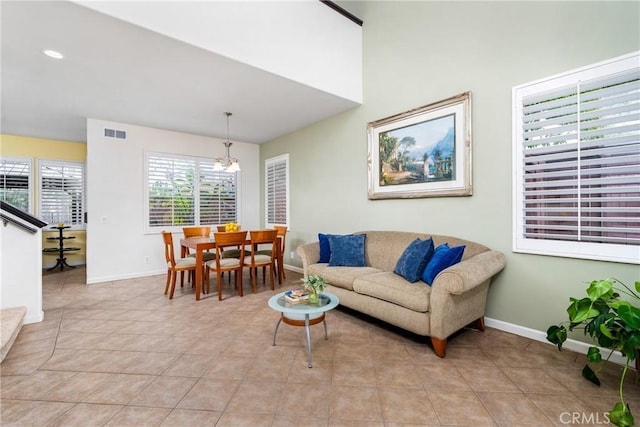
<point>201,244</point>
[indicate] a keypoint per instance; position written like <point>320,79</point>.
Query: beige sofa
<point>456,299</point>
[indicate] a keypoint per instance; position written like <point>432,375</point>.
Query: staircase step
<point>10,324</point>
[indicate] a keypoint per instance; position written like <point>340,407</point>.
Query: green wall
<point>416,53</point>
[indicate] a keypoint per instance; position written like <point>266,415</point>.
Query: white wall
<point>304,41</point>
<point>21,278</point>
<point>117,245</point>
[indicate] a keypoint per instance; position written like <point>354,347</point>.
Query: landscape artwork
<point>424,152</point>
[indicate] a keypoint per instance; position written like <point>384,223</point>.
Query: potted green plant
<point>613,324</point>
<point>314,284</point>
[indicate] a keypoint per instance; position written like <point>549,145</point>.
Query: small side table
<point>303,314</point>
<point>60,250</point>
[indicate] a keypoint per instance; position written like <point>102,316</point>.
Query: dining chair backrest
<point>282,239</point>
<point>168,248</point>
<point>259,237</point>
<point>262,237</point>
<point>196,231</point>
<point>282,234</point>
<point>233,238</point>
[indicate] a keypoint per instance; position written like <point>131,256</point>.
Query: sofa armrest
<point>469,273</point>
<point>309,254</point>
<point>459,293</point>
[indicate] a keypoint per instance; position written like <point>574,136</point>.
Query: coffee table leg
<point>306,328</point>
<point>326,334</point>
<point>276,330</point>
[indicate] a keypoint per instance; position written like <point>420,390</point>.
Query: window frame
<point>624,253</point>
<point>198,161</point>
<point>57,162</point>
<point>28,161</point>
<point>283,158</point>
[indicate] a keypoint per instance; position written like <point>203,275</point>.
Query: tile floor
<point>121,354</point>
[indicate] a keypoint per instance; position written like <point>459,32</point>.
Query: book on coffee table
<point>296,296</point>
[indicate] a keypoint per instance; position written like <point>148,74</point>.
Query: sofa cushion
<point>325,249</point>
<point>347,250</point>
<point>443,257</point>
<point>414,259</point>
<point>341,277</point>
<point>390,287</point>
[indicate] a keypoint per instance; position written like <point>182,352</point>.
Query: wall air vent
<point>115,133</point>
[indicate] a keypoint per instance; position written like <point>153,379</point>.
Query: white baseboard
<point>100,279</point>
<point>33,317</point>
<point>294,268</point>
<point>570,344</point>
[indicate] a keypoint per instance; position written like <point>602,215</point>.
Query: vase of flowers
<point>315,284</point>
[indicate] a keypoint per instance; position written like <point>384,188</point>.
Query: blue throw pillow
<point>325,249</point>
<point>443,257</point>
<point>347,250</point>
<point>414,259</point>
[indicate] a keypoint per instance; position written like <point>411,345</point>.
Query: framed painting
<point>424,152</point>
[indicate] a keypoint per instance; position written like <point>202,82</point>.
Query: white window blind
<point>277,190</point>
<point>61,192</point>
<point>171,191</point>
<point>16,182</point>
<point>218,195</point>
<point>578,164</point>
<point>187,191</point>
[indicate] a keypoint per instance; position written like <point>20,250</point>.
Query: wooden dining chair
<point>254,260</point>
<point>230,252</point>
<point>282,239</point>
<point>282,235</point>
<point>199,232</point>
<point>175,265</point>
<point>221,264</point>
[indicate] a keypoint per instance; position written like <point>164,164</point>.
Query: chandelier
<point>227,163</point>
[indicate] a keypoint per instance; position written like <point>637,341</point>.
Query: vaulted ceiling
<point>117,71</point>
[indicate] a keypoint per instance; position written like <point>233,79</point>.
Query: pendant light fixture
<point>227,163</point>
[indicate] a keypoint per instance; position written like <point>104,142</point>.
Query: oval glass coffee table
<point>303,314</point>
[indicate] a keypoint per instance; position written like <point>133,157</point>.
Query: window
<point>277,190</point>
<point>218,195</point>
<point>577,163</point>
<point>16,185</point>
<point>61,192</point>
<point>185,191</point>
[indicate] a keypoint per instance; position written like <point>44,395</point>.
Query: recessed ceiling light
<point>53,54</point>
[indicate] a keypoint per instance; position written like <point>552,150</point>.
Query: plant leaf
<point>557,335</point>
<point>605,331</point>
<point>631,345</point>
<point>599,288</point>
<point>581,310</point>
<point>637,286</point>
<point>594,356</point>
<point>629,315</point>
<point>620,415</point>
<point>588,373</point>
<point>605,342</point>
